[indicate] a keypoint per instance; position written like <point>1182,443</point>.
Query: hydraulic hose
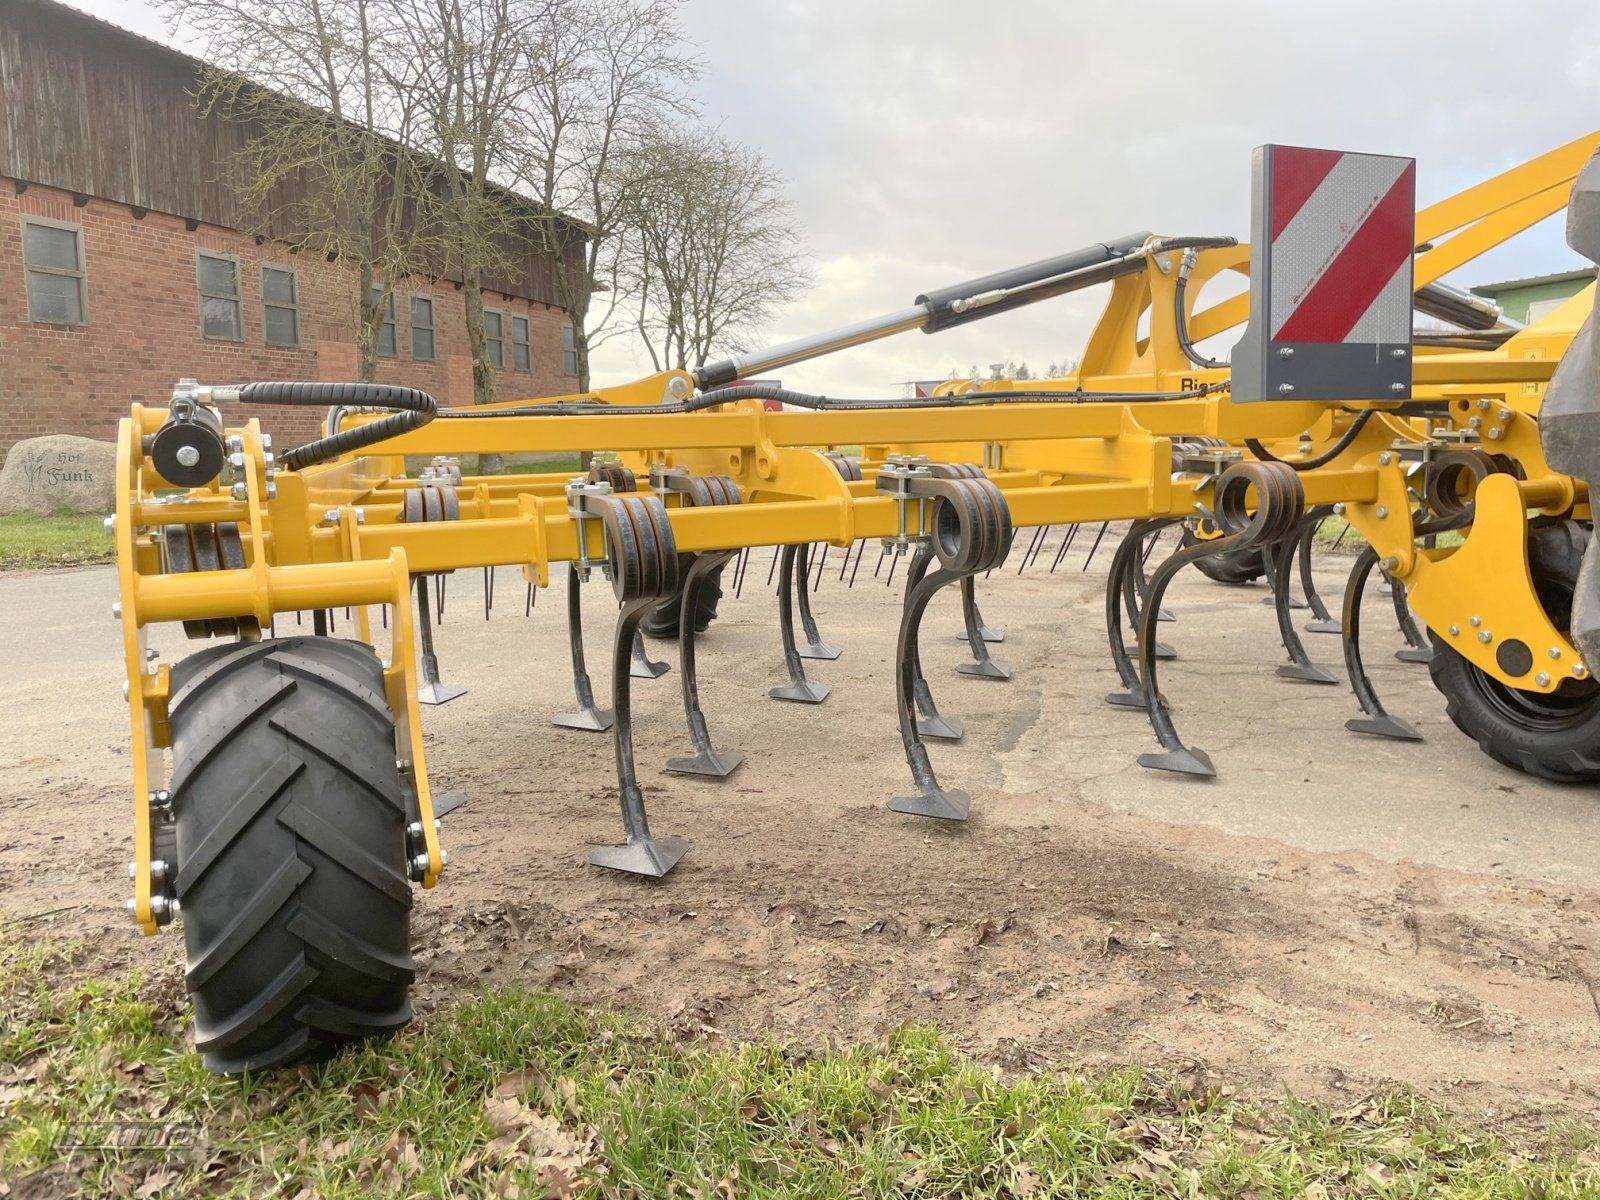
<point>1327,456</point>
<point>1181,321</point>
<point>413,407</point>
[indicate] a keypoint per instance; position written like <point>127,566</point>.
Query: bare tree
<point>306,76</point>
<point>603,76</point>
<point>714,249</point>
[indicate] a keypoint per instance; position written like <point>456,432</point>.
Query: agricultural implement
<point>299,811</point>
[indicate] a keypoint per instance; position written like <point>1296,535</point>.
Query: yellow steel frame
<point>1057,463</point>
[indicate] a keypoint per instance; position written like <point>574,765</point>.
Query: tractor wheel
<point>1554,735</point>
<point>661,620</point>
<point>1242,566</point>
<point>291,832</point>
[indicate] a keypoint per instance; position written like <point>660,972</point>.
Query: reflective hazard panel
<point>1332,238</point>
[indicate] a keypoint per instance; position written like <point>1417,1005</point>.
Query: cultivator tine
<point>815,647</point>
<point>799,689</point>
<point>1280,503</point>
<point>930,723</point>
<point>641,665</point>
<point>983,539</point>
<point>1142,580</point>
<point>1119,592</point>
<point>587,716</point>
<point>645,568</point>
<point>969,606</point>
<point>1324,622</point>
<point>430,690</point>
<point>1416,649</point>
<point>981,666</point>
<point>1135,586</point>
<point>1280,561</point>
<point>706,760</point>
<point>1104,525</point>
<point>1377,720</point>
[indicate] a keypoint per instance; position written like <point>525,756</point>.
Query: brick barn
<point>122,268</point>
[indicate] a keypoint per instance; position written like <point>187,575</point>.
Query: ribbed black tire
<point>662,620</point>
<point>1242,566</point>
<point>1554,736</point>
<point>291,821</point>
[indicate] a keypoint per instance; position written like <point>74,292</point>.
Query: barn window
<point>52,256</point>
<point>220,318</point>
<point>520,358</point>
<point>280,307</point>
<point>569,351</point>
<point>387,346</point>
<point>422,328</point>
<point>493,332</point>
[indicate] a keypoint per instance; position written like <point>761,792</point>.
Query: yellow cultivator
<point>299,810</point>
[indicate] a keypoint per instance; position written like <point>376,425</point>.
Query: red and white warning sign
<point>1331,277</point>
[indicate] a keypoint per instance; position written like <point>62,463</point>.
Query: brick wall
<point>143,330</point>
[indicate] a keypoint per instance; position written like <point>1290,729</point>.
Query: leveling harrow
<point>298,811</point>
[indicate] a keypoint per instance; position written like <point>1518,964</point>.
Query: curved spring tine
<point>1118,588</point>
<point>587,716</point>
<point>1174,755</point>
<point>706,760</point>
<point>931,800</point>
<point>1134,583</point>
<point>799,688</point>
<point>1377,720</point>
<point>430,690</point>
<point>969,603</point>
<point>1324,622</point>
<point>641,665</point>
<point>815,647</point>
<point>1416,649</point>
<point>930,723</point>
<point>1280,560</point>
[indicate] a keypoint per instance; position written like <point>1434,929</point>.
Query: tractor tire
<point>1242,566</point>
<point>291,850</point>
<point>1552,735</point>
<point>662,620</point>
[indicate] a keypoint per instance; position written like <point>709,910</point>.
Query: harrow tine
<point>894,561</point>
<point>845,565</point>
<point>587,716</point>
<point>438,589</point>
<point>882,551</point>
<point>799,688</point>
<point>706,760</point>
<point>860,554</point>
<point>527,603</point>
<point>777,553</point>
<point>1104,525</point>
<point>1280,561</point>
<point>431,690</point>
<point>488,591</point>
<point>1324,622</point>
<point>821,563</point>
<point>1038,536</point>
<point>739,569</point>
<point>1416,649</point>
<point>930,724</point>
<point>815,647</point>
<point>641,666</point>
<point>1376,720</point>
<point>1066,543</point>
<point>969,601</point>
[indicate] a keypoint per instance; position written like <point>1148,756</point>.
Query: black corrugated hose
<point>414,409</point>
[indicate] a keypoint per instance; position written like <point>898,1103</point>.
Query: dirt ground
<point>1333,913</point>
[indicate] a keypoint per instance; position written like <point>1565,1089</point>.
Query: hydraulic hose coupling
<point>188,448</point>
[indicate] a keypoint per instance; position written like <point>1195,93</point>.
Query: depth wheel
<point>291,839</point>
<point>662,620</point>
<point>1241,566</point>
<point>1552,735</point>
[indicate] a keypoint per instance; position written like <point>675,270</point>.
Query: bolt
<point>1382,512</point>
<point>1285,388</point>
<point>1397,387</point>
<point>174,906</point>
<point>267,460</point>
<point>133,870</point>
<point>1542,679</point>
<point>1579,670</point>
<point>236,461</point>
<point>419,865</point>
<point>1475,423</point>
<point>1495,433</point>
<point>110,523</point>
<point>272,489</point>
<point>1388,564</point>
<point>116,610</point>
<point>1385,459</point>
<point>1338,509</point>
<point>124,689</point>
<point>444,858</point>
<point>1474,621</point>
<point>1484,403</point>
<point>1504,414</point>
<point>1285,351</point>
<point>235,443</point>
<point>158,868</point>
<point>1485,637</point>
<point>266,441</point>
<point>331,517</point>
<point>1397,352</point>
<point>132,906</point>
<point>187,456</point>
<point>402,765</point>
<point>241,491</point>
<point>1455,631</point>
<point>1555,652</point>
<point>161,799</point>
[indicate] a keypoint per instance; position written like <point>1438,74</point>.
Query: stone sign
<point>59,473</point>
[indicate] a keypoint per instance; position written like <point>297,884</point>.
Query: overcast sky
<point>928,141</point>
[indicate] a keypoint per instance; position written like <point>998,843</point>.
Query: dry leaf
<point>1025,1184</point>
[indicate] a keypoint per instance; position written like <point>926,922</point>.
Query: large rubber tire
<point>291,819</point>
<point>1242,566</point>
<point>662,620</point>
<point>1554,736</point>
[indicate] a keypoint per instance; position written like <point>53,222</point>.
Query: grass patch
<point>517,1093</point>
<point>64,540</point>
<point>1338,534</point>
